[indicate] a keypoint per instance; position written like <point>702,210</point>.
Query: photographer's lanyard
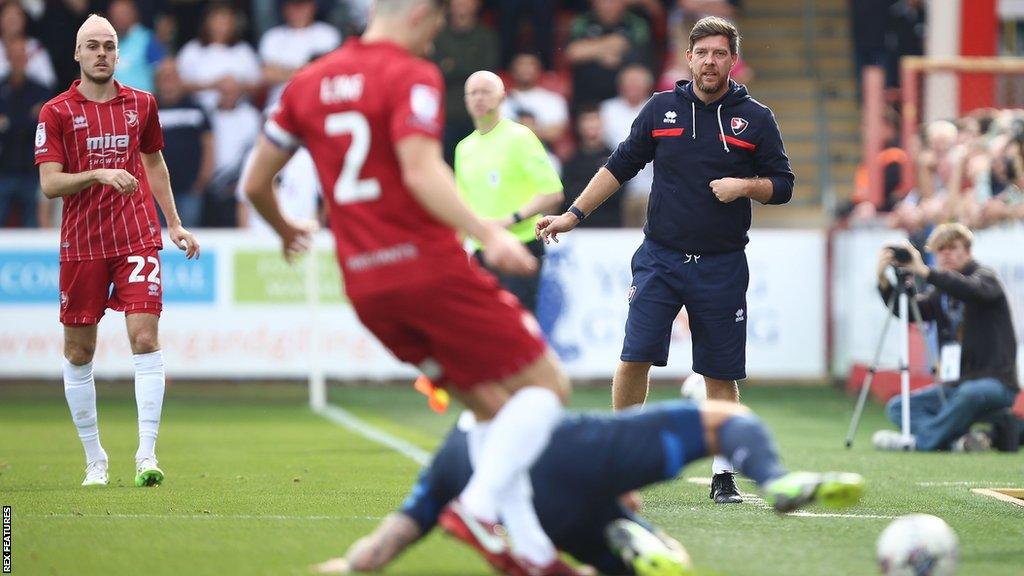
<point>949,358</point>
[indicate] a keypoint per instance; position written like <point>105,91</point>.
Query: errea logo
<point>740,315</point>
<point>670,117</point>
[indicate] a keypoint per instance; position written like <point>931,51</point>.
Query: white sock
<point>149,398</point>
<point>475,441</point>
<point>520,519</point>
<point>80,392</point>
<point>721,465</point>
<point>517,436</point>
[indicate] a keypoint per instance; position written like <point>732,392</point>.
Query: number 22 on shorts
<point>140,262</point>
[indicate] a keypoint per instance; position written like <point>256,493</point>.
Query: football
<point>918,545</point>
<point>693,388</point>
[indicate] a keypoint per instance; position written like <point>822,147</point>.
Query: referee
<point>714,150</point>
<point>505,175</point>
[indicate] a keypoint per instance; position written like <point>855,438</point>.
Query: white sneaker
<point>147,473</point>
<point>972,442</point>
<point>96,473</point>
<point>892,440</point>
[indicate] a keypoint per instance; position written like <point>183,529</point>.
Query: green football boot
<point>147,473</point>
<point>645,552</point>
<point>799,489</point>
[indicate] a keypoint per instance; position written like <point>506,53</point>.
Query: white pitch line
<point>965,483</point>
<point>756,500</point>
<point>205,516</point>
<point>350,421</point>
<point>802,513</point>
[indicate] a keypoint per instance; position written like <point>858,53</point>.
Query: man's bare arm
<point>56,183</point>
<point>375,551</point>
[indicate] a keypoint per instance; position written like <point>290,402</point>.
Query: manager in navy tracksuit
<point>714,150</point>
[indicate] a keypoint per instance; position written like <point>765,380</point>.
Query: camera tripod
<point>901,300</point>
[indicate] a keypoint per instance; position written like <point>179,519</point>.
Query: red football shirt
<point>98,222</point>
<point>349,109</point>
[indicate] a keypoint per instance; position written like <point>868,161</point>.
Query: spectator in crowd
<point>591,154</point>
<point>20,101</point>
<point>351,16</point>
<point>543,17</point>
<point>905,35</point>
<point>39,68</point>
<point>617,115</point>
<point>869,22</point>
<point>970,171</point>
<point>940,172</point>
<point>893,160</point>
<point>297,189</point>
<point>217,57</point>
<point>236,124</point>
<point>978,364</point>
<point>463,47</point>
<point>549,108</point>
<point>286,48</point>
<point>602,42</point>
<point>188,143</point>
<point>138,51</point>
<point>52,27</point>
<point>528,119</point>
<point>186,19</point>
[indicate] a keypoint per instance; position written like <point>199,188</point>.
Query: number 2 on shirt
<point>349,189</point>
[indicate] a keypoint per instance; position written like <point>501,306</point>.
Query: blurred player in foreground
<point>98,147</point>
<point>370,114</point>
<point>590,462</point>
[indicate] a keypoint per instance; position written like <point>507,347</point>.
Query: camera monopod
<point>901,300</point>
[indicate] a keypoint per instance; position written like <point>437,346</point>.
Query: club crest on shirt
<point>738,125</point>
<point>630,294</point>
<point>63,299</point>
<point>40,134</point>
<point>132,118</point>
<point>80,122</point>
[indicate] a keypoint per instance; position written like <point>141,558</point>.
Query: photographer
<point>978,371</point>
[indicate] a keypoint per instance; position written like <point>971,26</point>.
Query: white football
<point>694,389</point>
<point>918,545</point>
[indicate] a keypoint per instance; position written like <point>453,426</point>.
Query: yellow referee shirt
<point>500,171</point>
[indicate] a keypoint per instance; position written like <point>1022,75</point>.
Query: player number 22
<point>349,188</point>
<point>140,263</point>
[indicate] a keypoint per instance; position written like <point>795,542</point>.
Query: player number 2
<point>349,188</point>
<point>140,263</point>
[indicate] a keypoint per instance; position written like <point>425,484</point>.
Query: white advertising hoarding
<point>241,312</point>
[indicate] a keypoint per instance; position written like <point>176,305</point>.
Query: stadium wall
<point>241,312</point>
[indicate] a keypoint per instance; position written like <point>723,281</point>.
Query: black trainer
<point>723,489</point>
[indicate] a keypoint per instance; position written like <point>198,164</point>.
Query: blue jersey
<point>692,143</point>
<point>590,461</point>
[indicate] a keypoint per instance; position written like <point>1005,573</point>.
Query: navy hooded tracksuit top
<point>691,144</point>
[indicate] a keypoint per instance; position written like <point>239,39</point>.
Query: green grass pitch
<point>257,484</point>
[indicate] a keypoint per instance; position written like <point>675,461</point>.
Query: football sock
<point>520,519</point>
<point>746,442</point>
<point>80,392</point>
<point>517,436</point>
<point>720,465</point>
<point>149,398</point>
